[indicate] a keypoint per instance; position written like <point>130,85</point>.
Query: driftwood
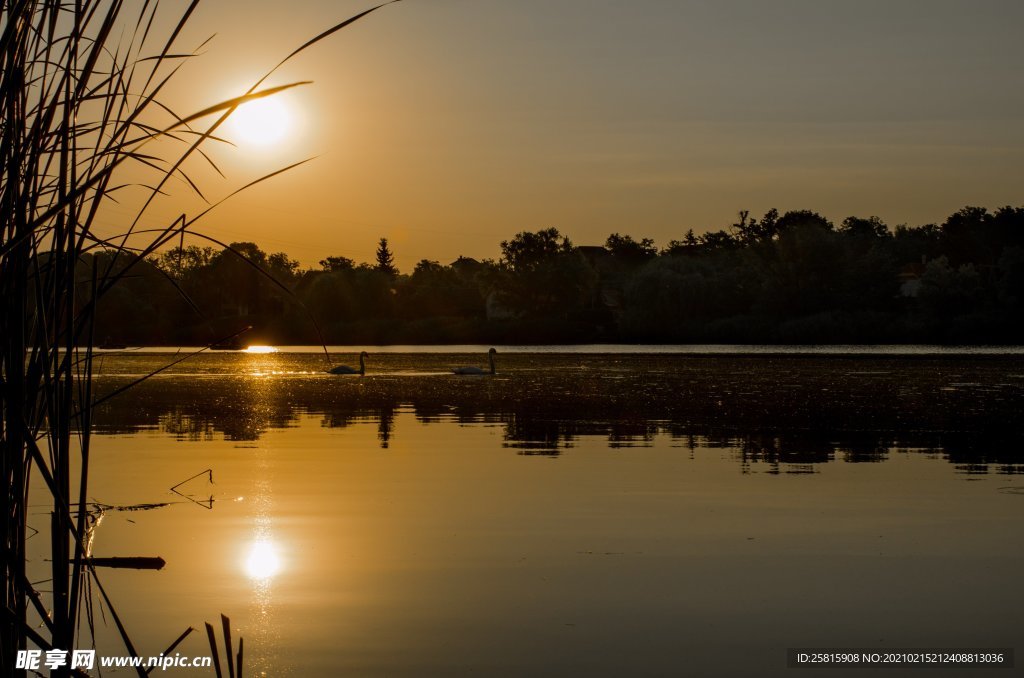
<point>128,562</point>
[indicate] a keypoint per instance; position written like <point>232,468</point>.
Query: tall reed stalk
<point>80,115</point>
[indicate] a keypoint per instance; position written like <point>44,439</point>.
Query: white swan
<point>345,369</point>
<point>477,370</point>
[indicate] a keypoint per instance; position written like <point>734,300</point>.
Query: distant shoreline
<point>846,350</point>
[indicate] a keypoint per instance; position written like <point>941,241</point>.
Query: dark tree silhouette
<point>337,264</point>
<point>385,260</point>
<point>789,278</point>
<point>623,247</point>
<point>543,276</point>
<point>872,227</point>
<point>801,218</point>
<point>528,250</point>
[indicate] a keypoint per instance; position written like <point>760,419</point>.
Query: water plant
<point>82,116</point>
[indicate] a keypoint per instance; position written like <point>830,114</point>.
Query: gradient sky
<point>449,125</point>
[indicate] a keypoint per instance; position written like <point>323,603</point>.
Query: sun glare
<point>261,122</point>
<point>261,349</point>
<point>262,561</point>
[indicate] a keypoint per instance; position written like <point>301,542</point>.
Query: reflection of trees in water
<point>632,433</point>
<point>337,418</point>
<point>384,417</point>
<point>786,453</point>
<point>861,449</point>
<point>254,410</point>
<point>778,430</point>
<point>239,409</point>
<point>534,436</point>
<point>986,449</point>
<point>185,426</point>
<point>430,413</point>
<point>385,421</point>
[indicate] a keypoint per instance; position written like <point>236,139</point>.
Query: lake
<point>604,511</point>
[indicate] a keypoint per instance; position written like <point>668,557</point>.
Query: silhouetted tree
<point>775,278</point>
<point>282,267</point>
<point>624,248</point>
<point>528,250</point>
<point>688,245</point>
<point>803,270</point>
<point>678,296</point>
<point>748,230</point>
<point>385,260</point>
<point>948,291</point>
<point>915,245</point>
<point>1011,284</point>
<point>716,241</point>
<point>974,235</point>
<point>435,291</point>
<point>800,218</point>
<point>872,227</point>
<point>331,298</point>
<point>544,276</point>
<point>337,264</point>
<point>179,262</point>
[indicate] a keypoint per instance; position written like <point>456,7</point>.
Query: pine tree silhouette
<point>385,260</point>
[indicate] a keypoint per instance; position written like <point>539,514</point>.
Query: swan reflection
<point>263,560</point>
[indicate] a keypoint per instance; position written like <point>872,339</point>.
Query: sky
<point>448,126</point>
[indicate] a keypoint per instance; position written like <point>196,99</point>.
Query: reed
<point>81,114</point>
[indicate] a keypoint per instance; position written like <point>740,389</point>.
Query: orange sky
<point>449,125</point>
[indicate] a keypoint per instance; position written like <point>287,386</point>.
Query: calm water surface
<point>606,514</point>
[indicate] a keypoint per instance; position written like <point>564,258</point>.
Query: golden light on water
<point>263,561</point>
<point>261,122</point>
<point>261,349</point>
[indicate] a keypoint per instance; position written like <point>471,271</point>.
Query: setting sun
<point>261,122</point>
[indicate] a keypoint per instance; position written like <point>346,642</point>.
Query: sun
<point>261,122</point>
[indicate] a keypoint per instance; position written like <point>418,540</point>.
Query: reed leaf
<point>214,652</point>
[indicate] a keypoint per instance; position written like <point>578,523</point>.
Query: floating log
<point>128,562</point>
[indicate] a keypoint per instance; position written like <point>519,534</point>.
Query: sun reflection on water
<point>262,361</point>
<point>265,556</point>
<point>261,349</point>
<point>263,560</point>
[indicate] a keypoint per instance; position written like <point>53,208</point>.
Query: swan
<point>477,370</point>
<point>345,369</point>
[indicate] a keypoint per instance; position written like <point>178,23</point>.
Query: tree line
<point>779,278</point>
